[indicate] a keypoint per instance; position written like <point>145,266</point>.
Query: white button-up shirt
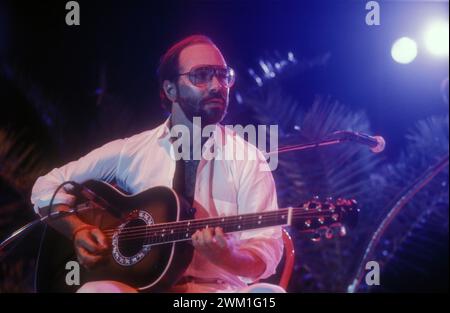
<point>223,187</point>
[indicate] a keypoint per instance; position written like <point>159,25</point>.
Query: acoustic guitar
<point>150,235</point>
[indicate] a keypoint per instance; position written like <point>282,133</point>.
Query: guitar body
<point>131,260</point>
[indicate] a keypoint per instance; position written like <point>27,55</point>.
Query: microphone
<point>375,143</point>
<point>81,191</point>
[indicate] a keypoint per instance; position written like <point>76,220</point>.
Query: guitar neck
<point>183,230</point>
<point>244,221</point>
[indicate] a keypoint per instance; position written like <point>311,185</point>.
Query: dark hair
<point>169,64</point>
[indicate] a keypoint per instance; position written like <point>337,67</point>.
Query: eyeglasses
<point>203,74</point>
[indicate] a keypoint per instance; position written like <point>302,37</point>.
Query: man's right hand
<point>89,242</point>
<point>91,246</point>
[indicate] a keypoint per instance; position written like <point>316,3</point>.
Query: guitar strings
<point>157,239</point>
<point>204,222</point>
<point>155,236</point>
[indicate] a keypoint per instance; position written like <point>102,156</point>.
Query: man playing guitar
<point>195,82</point>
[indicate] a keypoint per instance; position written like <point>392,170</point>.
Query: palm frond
<point>337,171</point>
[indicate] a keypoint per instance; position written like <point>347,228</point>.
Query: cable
<point>20,233</point>
<point>50,207</point>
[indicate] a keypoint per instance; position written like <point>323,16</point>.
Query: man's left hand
<point>213,243</point>
<point>220,250</point>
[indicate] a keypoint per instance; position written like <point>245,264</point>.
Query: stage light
<point>436,38</point>
<point>404,50</point>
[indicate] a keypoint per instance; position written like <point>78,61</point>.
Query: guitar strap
<point>184,179</point>
<point>179,177</point>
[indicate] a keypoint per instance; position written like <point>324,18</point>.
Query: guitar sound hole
<point>131,239</point>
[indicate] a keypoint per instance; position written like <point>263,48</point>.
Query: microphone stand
<point>342,136</point>
<point>306,146</point>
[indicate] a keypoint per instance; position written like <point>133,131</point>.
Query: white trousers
<point>109,286</point>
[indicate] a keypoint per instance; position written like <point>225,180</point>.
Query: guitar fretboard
<point>183,230</point>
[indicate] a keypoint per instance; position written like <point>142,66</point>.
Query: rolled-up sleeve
<point>101,163</point>
<point>257,193</point>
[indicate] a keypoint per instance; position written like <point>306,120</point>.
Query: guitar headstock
<point>326,219</point>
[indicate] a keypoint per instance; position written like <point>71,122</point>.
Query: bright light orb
<point>436,38</point>
<point>404,50</point>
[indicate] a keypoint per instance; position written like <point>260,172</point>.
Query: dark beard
<point>208,116</point>
<point>212,116</point>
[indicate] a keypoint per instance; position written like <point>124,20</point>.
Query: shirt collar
<point>163,130</point>
<point>218,138</point>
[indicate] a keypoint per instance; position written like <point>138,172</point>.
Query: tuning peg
<point>339,230</point>
<point>327,206</point>
<point>341,201</point>
<point>342,231</point>
<point>329,233</point>
<point>315,237</point>
<point>314,204</point>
